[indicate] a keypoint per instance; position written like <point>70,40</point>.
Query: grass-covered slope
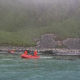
<point>21,21</point>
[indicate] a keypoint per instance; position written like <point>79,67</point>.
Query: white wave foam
<point>46,57</point>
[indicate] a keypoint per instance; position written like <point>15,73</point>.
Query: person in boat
<point>30,56</point>
<point>25,52</point>
<point>35,53</point>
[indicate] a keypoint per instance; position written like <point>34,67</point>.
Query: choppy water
<point>45,68</point>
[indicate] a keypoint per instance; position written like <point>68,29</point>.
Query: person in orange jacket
<point>25,52</point>
<point>35,53</point>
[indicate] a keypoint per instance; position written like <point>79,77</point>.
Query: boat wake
<point>42,57</point>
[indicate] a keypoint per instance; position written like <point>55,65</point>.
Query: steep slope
<point>23,20</point>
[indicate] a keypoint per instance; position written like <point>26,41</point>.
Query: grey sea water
<point>12,67</point>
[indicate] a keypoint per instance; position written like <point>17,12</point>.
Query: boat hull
<point>29,56</point>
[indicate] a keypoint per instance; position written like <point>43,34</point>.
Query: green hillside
<point>21,21</point>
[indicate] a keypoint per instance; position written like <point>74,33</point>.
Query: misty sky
<point>44,2</point>
<point>47,1</point>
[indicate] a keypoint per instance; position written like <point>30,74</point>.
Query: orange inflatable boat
<point>30,56</point>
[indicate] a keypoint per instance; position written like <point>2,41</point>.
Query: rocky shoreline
<point>53,51</point>
<point>47,43</point>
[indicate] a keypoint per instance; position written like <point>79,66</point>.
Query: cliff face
<point>48,41</point>
<point>72,43</point>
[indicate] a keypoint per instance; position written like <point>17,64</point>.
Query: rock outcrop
<point>72,43</point>
<point>47,41</point>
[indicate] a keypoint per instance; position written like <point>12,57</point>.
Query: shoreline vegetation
<point>51,26</point>
<point>23,21</point>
